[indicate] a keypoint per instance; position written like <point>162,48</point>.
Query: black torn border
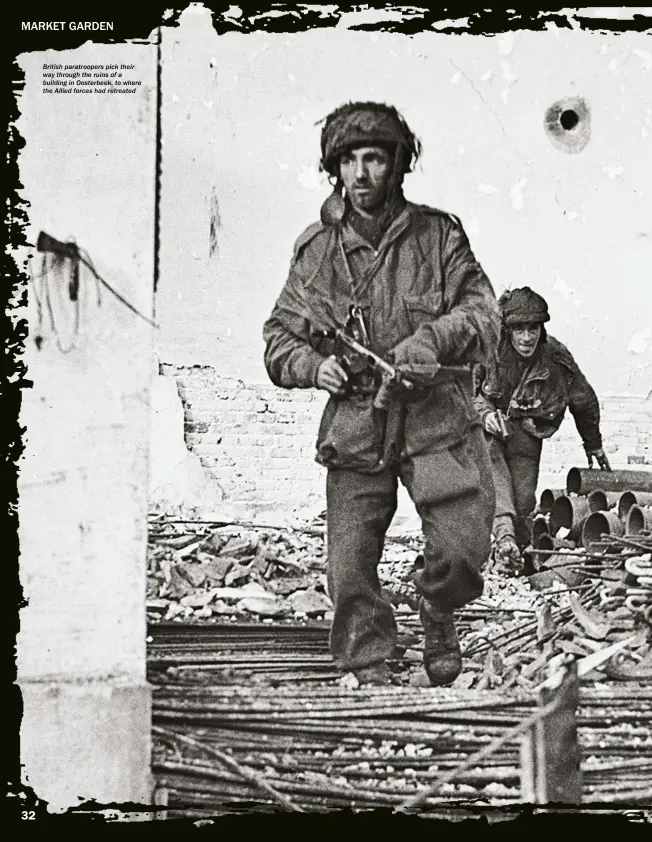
<point>136,23</point>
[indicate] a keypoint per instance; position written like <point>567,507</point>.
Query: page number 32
<point>28,814</point>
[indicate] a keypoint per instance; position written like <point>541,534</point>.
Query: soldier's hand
<point>331,376</point>
<point>492,425</point>
<point>600,458</point>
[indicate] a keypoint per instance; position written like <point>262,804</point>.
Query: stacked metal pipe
<point>593,504</point>
<point>204,652</point>
<point>329,748</point>
<point>615,546</point>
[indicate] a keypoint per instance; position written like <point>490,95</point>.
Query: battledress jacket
<point>551,385</point>
<point>428,307</point>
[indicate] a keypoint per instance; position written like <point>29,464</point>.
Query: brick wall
<point>626,425</point>
<point>257,441</point>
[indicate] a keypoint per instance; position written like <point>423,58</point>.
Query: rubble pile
<point>248,708</point>
<point>229,575</point>
<point>198,572</point>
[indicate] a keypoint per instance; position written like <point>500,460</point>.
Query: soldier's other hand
<point>331,376</point>
<point>600,458</point>
<point>492,425</point>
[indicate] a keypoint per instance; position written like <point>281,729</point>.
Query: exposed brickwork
<point>626,425</point>
<point>257,441</point>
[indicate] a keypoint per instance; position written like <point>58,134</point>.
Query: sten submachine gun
<point>390,377</point>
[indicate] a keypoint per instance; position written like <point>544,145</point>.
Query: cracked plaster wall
<point>240,178</point>
<point>88,168</point>
<point>240,181</point>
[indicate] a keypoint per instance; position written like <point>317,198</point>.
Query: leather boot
<point>442,657</point>
<point>507,559</point>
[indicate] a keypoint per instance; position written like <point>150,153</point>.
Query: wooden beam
<point>550,750</point>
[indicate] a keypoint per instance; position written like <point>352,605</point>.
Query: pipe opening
<point>561,515</point>
<point>574,481</point>
<point>599,523</point>
<point>598,501</point>
<point>546,500</point>
<point>625,503</point>
<point>539,527</point>
<point>635,520</point>
<point>596,525</point>
<point>544,542</point>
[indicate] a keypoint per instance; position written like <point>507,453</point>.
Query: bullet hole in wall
<point>569,119</point>
<point>567,124</point>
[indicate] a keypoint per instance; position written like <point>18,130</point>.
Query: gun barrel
<point>369,355</point>
<point>388,371</point>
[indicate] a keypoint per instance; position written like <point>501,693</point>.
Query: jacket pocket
<point>438,421</point>
<point>451,474</point>
<point>351,434</point>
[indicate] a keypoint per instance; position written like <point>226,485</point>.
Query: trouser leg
<point>454,496</point>
<point>525,475</point>
<point>360,509</point>
<point>523,456</point>
<point>504,520</point>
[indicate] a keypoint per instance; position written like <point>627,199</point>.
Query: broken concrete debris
<point>236,573</point>
<point>239,660</point>
<point>233,571</point>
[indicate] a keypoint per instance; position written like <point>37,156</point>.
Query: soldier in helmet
<point>428,308</point>
<point>522,398</point>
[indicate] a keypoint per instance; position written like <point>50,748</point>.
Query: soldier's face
<point>365,173</point>
<point>525,337</point>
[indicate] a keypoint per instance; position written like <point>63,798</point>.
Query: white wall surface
<point>241,150</point>
<point>88,170</point>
